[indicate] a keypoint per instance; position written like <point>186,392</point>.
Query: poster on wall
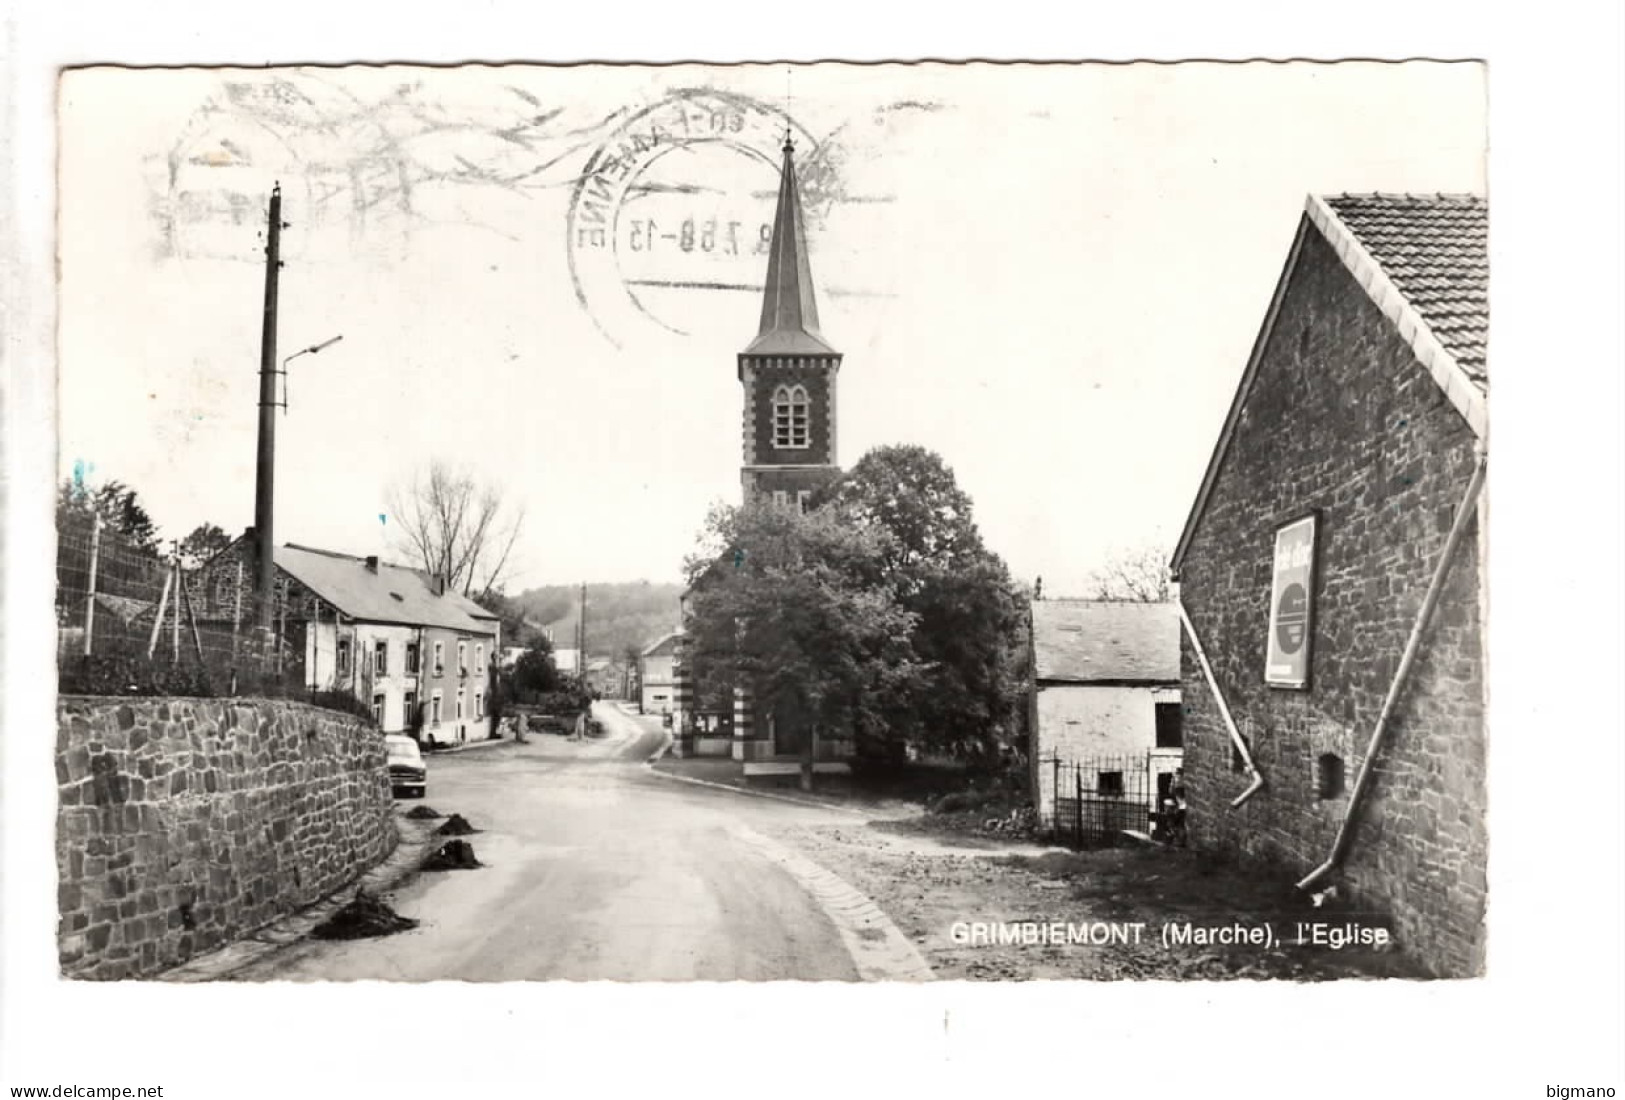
<point>1292,587</point>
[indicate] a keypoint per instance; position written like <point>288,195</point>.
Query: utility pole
<point>581,629</point>
<point>265,468</point>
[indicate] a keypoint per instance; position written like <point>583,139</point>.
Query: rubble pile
<point>423,813</point>
<point>362,917</point>
<point>454,855</point>
<point>974,815</point>
<point>1019,822</point>
<point>456,825</point>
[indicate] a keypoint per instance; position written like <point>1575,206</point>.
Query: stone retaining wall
<point>183,824</point>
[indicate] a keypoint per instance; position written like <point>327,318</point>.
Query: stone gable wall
<point>1343,420</point>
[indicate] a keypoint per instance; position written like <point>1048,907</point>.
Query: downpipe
<point>1413,645</point>
<point>1224,710</point>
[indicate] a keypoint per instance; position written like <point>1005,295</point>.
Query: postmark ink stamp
<point>676,206</point>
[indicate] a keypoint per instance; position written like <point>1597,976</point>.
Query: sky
<point>1050,275</point>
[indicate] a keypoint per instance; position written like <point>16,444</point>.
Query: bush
<point>123,674</point>
<point>136,676</point>
<point>557,702</point>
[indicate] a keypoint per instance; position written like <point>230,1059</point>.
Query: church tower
<point>788,371</point>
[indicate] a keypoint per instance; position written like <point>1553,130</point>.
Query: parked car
<point>408,774</point>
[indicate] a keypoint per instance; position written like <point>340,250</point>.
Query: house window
<point>411,658</point>
<point>459,704</point>
<point>434,709</point>
<point>440,658</point>
<point>409,708</point>
<point>781,499</point>
<point>342,657</point>
<point>378,710</point>
<point>479,659</point>
<point>1237,762</point>
<point>1109,784</point>
<point>462,658</point>
<point>479,704</point>
<point>380,658</point>
<point>1170,726</point>
<point>803,500</point>
<point>1328,775</point>
<point>790,417</point>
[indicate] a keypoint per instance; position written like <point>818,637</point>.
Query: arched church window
<point>790,406</point>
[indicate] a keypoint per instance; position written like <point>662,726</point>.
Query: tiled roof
<point>1085,641</point>
<point>1423,261</point>
<point>1435,248</point>
<point>472,609</point>
<point>392,594</point>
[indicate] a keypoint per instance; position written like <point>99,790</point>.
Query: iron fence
<point>1097,800</point>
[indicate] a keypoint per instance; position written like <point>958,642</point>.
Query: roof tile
<point>392,594</point>
<point>1435,248</point>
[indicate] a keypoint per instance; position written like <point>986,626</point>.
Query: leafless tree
<point>1139,576</point>
<point>456,528</point>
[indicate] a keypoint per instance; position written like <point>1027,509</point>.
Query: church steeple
<point>789,371</point>
<point>789,309</point>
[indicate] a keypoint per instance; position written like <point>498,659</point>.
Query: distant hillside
<point>618,615</point>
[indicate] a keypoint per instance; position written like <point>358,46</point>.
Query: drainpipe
<point>1224,711</point>
<point>1413,645</point>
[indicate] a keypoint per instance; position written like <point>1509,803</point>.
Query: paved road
<point>596,869</point>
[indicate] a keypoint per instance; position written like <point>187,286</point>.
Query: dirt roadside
<point>938,888</point>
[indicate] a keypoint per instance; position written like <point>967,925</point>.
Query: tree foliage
<point>115,503</point>
<point>457,528</point>
<point>799,605</point>
<point>968,633</point>
<point>205,541</point>
<point>908,492</point>
<point>535,670</point>
<point>882,609</point>
<point>515,630</point>
<point>1138,575</point>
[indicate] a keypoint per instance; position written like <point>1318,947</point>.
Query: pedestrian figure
<point>1176,830</point>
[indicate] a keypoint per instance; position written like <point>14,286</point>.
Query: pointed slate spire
<point>789,311</point>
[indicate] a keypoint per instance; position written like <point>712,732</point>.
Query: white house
<point>1105,692</point>
<point>393,637</point>
<point>657,691</point>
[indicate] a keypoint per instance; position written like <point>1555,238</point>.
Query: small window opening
<point>1170,725</point>
<point>1329,775</point>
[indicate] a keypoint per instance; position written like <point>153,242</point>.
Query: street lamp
<point>312,350</point>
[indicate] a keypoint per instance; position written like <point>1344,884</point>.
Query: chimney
<point>438,586</point>
<point>372,563</point>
